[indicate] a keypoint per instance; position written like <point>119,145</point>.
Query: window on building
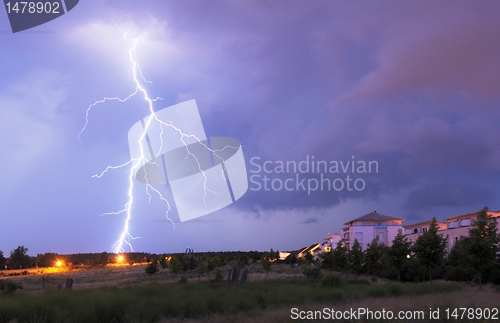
<point>424,230</point>
<point>415,230</point>
<point>358,236</point>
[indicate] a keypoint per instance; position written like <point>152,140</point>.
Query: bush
<point>176,265</point>
<point>492,274</point>
<point>495,277</point>
<point>331,281</point>
<point>9,287</point>
<point>218,276</point>
<point>183,280</point>
<point>152,268</point>
<point>313,273</point>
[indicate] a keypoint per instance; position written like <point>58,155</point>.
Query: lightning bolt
<point>125,237</point>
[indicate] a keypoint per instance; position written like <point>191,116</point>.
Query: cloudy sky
<point>413,86</point>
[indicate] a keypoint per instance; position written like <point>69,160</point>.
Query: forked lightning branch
<point>205,174</point>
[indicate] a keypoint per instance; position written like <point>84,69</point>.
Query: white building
<point>374,224</point>
<point>368,227</point>
<point>452,230</point>
<point>331,241</point>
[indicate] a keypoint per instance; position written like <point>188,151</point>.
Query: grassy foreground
<point>193,300</point>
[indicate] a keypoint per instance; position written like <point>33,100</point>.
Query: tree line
<point>19,258</point>
<point>472,258</point>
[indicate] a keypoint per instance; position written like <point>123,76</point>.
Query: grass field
<point>128,295</point>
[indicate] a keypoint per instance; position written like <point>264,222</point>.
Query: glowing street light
<point>59,263</point>
<point>120,258</point>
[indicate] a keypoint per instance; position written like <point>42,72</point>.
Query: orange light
<point>120,258</point>
<point>59,263</point>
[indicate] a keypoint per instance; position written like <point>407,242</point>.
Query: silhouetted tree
<point>19,258</point>
<point>430,249</point>
<point>309,257</point>
<point>176,265</point>
<point>163,261</point>
<point>399,253</point>
<point>459,268</point>
<point>215,262</point>
<point>266,264</point>
<point>374,257</point>
<point>152,268</point>
<point>202,268</point>
<point>103,259</point>
<point>46,260</point>
<point>188,263</point>
<point>272,255</point>
<point>339,257</point>
<point>482,244</point>
<point>327,258</point>
<point>355,258</point>
<point>2,260</point>
<point>242,261</point>
<point>291,259</point>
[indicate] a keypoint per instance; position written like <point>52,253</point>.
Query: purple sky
<point>413,85</point>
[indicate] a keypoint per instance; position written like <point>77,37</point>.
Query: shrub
<point>331,281</point>
<point>313,273</point>
<point>218,276</point>
<point>9,287</point>
<point>176,265</point>
<point>152,268</point>
<point>495,277</point>
<point>183,279</point>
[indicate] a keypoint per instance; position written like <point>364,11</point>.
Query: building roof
<point>472,215</point>
<point>375,216</point>
<point>423,223</point>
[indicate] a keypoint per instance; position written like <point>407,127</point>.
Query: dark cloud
<point>449,193</point>
<point>310,221</point>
